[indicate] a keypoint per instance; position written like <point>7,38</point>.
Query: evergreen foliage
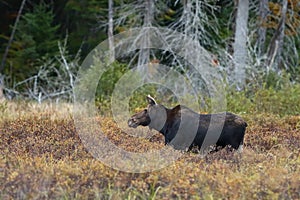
<point>35,42</point>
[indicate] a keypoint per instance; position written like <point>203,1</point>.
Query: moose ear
<point>151,100</point>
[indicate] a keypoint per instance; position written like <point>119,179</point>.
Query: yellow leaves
<point>275,8</point>
<point>292,16</point>
<point>120,29</point>
<point>12,175</point>
<point>294,4</point>
<point>171,11</point>
<point>167,17</point>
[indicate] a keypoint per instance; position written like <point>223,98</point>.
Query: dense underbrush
<point>42,157</point>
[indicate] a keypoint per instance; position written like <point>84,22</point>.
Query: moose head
<point>154,116</point>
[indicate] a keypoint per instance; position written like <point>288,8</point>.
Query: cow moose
<point>184,129</point>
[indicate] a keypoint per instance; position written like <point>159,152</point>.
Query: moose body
<point>183,128</point>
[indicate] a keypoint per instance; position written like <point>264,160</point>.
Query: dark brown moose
<point>184,129</point>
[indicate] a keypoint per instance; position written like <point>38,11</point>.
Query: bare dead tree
<point>144,54</point>
<point>138,14</point>
<point>240,54</point>
<point>1,88</point>
<point>54,80</point>
<point>262,30</point>
<point>276,45</point>
<point>110,31</point>
<point>194,21</point>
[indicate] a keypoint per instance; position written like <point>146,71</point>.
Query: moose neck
<point>164,129</point>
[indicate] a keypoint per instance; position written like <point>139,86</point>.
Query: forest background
<point>44,42</point>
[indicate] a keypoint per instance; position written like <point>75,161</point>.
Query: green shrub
<point>283,101</point>
<point>279,97</point>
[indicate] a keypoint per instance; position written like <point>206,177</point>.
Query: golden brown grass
<point>42,157</point>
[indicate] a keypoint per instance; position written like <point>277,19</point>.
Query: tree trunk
<point>1,87</point>
<point>144,54</point>
<point>276,44</point>
<point>240,54</point>
<point>262,30</point>
<point>110,32</point>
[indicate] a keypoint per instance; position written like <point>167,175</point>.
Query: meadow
<point>42,157</point>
